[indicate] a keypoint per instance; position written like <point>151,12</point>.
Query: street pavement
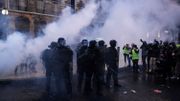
<point>135,87</point>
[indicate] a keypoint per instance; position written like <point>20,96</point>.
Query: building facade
<point>30,16</point>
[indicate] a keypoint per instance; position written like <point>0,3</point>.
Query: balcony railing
<point>40,7</point>
<point>49,7</point>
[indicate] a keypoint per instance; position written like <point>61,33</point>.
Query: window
<point>31,5</point>
<point>55,1</point>
<point>23,4</point>
<point>22,24</point>
<point>39,26</point>
<point>40,6</point>
<point>13,4</point>
<point>2,3</point>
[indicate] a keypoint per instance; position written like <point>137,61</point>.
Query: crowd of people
<point>159,57</point>
<point>97,64</point>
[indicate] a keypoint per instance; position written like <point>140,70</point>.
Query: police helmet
<point>113,43</point>
<point>92,43</point>
<point>52,45</point>
<point>101,43</point>
<point>84,42</point>
<point>61,41</point>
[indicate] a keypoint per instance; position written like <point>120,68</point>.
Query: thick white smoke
<point>11,52</point>
<point>15,49</point>
<point>130,20</point>
<point>124,20</point>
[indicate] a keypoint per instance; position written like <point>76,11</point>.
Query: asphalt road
<point>135,87</point>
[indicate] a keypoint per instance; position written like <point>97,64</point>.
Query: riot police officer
<point>93,58</point>
<point>46,58</point>
<point>81,63</point>
<point>102,49</point>
<point>62,59</point>
<point>112,59</point>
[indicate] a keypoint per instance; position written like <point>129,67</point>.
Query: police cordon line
<point>162,58</point>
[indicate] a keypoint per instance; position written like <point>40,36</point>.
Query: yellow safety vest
<point>178,45</point>
<point>135,56</point>
<point>125,51</point>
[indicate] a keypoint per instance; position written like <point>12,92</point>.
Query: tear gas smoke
<point>130,20</point>
<point>15,49</point>
<point>124,20</point>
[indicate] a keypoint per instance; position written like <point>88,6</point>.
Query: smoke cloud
<point>124,20</point>
<point>16,48</point>
<point>130,20</point>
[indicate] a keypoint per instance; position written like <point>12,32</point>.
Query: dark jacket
<point>111,57</point>
<point>62,58</point>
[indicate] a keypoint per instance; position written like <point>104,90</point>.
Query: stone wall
<point>30,16</point>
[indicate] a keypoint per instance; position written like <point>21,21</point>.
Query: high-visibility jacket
<point>134,55</point>
<point>125,51</point>
<point>177,45</point>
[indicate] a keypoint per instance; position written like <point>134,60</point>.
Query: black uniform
<point>46,54</point>
<point>112,59</point>
<point>102,49</point>
<point>168,60</point>
<point>46,57</point>
<point>62,60</point>
<point>81,66</point>
<point>93,58</point>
